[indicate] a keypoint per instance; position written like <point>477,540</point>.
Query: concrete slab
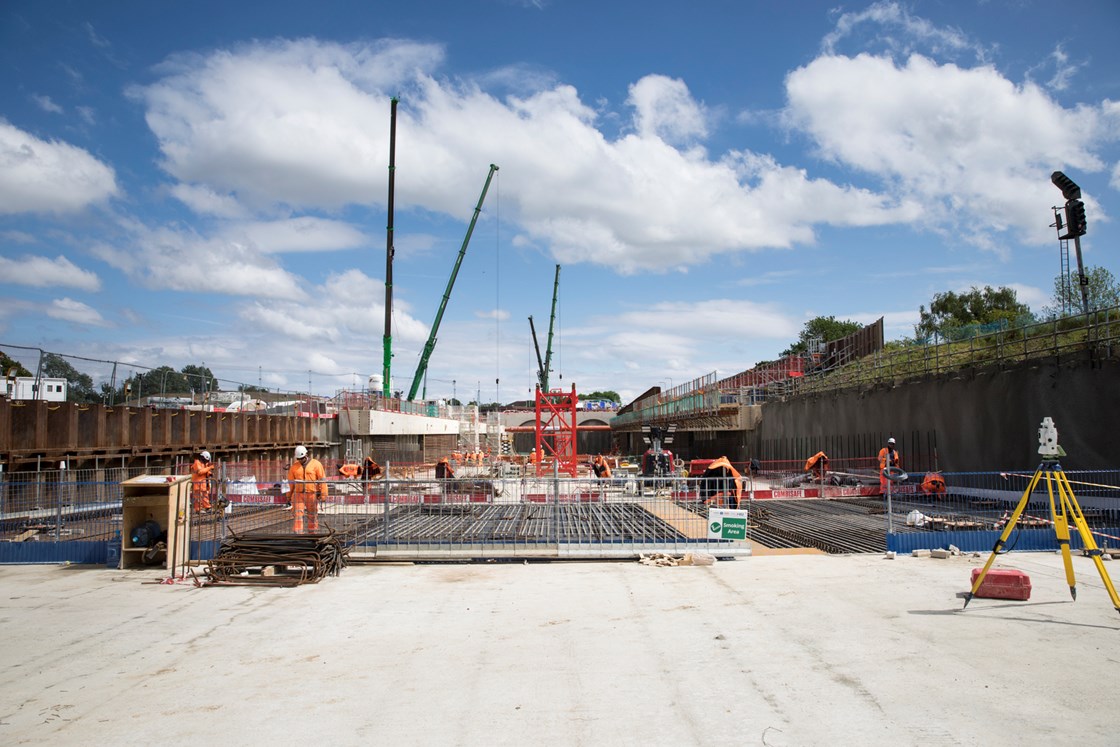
<point>768,650</point>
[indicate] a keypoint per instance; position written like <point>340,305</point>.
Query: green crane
<point>430,345</point>
<point>387,339</point>
<point>545,366</point>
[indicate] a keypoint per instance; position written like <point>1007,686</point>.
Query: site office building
<point>29,388</point>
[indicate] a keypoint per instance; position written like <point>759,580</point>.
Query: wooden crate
<point>166,500</point>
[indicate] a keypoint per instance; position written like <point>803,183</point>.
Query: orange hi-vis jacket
<point>200,483</point>
<point>307,480</point>
<point>888,458</point>
<point>200,474</point>
<point>818,460</point>
<point>722,462</point>
<point>307,488</point>
<point>349,470</point>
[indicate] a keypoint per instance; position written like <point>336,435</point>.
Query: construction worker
<point>370,469</point>
<point>600,467</point>
<point>715,481</point>
<point>817,465</point>
<point>306,478</point>
<point>444,470</point>
<point>201,470</point>
<point>933,483</point>
<point>349,470</point>
<point>888,458</point>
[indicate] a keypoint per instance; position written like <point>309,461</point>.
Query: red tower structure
<point>556,430</point>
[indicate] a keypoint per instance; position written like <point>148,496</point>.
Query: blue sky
<point>206,182</point>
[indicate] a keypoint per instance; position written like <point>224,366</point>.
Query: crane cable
<point>497,293</point>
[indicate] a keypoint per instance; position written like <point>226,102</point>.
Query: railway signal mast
<point>1075,227</point>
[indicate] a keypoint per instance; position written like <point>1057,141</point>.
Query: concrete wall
<point>984,419</point>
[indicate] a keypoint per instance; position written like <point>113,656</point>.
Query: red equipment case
<point>1003,583</point>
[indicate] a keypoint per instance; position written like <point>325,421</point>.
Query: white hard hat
<point>890,440</point>
<point>301,452</point>
<point>205,456</point>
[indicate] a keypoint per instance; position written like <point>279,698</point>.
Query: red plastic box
<point>1003,583</point>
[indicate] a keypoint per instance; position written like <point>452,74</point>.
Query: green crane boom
<point>387,339</point>
<point>430,345</point>
<point>547,367</point>
<point>541,378</point>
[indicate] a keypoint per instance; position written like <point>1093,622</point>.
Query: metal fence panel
<point>53,518</point>
<point>975,507</point>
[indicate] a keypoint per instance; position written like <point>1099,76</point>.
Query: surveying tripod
<point>1063,508</point>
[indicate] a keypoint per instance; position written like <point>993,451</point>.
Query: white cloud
<point>1064,70</point>
<point>890,26</point>
<point>206,201</point>
<point>186,261</point>
<point>671,336</point>
<point>46,104</point>
<point>43,272</point>
<point>918,126</point>
<point>745,320</point>
<point>499,314</point>
<point>18,237</point>
<point>95,38</point>
<point>1031,295</point>
<point>285,121</point>
<point>346,310</point>
<point>665,109</point>
<point>69,310</point>
<point>298,235</point>
<point>49,176</point>
<point>313,133</point>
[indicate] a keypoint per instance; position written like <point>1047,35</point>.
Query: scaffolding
<point>556,430</point>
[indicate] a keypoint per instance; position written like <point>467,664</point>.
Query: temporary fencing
<point>975,507</point>
<point>59,515</point>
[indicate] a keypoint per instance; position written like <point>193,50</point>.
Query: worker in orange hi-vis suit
<point>306,479</point>
<point>716,481</point>
<point>600,467</point>
<point>817,465</point>
<point>370,468</point>
<point>888,457</point>
<point>201,470</point>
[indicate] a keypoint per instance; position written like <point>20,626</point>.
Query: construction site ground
<point>768,650</point>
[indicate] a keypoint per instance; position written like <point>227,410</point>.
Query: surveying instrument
<point>1063,508</point>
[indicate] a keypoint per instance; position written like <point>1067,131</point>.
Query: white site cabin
<point>28,387</point>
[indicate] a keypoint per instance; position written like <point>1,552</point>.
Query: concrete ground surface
<point>769,650</point>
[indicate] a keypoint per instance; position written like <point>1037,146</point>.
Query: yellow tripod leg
<point>1065,490</point>
<point>1061,526</point>
<point>1004,535</point>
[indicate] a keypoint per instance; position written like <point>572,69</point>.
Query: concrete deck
<point>767,650</point>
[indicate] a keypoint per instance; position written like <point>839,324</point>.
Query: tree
<point>1103,292</point>
<point>79,386</point>
<point>200,379</point>
<point>163,380</point>
<point>12,367</point>
<point>825,328</point>
<point>608,394</point>
<point>950,311</point>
